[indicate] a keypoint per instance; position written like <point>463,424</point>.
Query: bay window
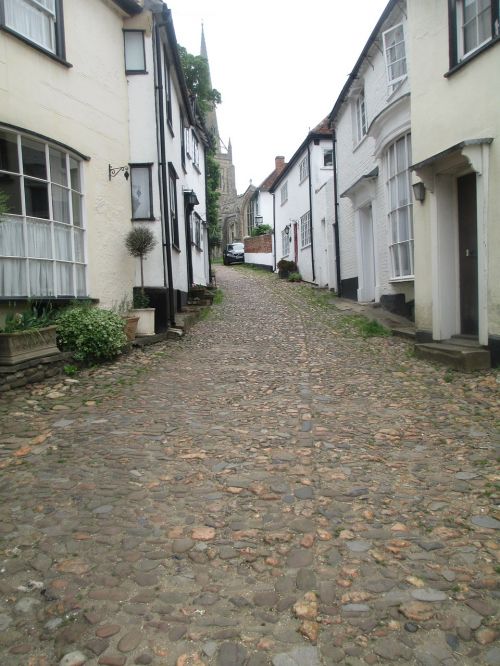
<point>42,237</point>
<point>398,160</point>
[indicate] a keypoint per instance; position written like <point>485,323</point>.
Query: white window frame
<point>139,68</point>
<point>46,10</point>
<point>148,195</point>
<point>196,151</point>
<point>328,156</point>
<point>284,193</point>
<point>462,54</point>
<point>305,230</point>
<point>48,251</point>
<point>285,243</point>
<point>399,201</point>
<point>389,63</point>
<point>361,118</point>
<point>303,169</point>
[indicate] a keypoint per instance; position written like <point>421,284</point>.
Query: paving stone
<point>231,654</point>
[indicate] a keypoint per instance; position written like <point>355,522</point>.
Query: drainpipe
<point>336,235</point>
<point>274,231</point>
<point>160,121</point>
<point>209,249</point>
<point>311,210</point>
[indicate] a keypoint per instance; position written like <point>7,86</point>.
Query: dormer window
<point>395,54</point>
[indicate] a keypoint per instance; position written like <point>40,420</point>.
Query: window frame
<point>327,152</point>
<point>303,169</point>
<point>305,230</point>
<point>393,214</point>
<point>285,243</point>
<point>284,192</point>
<point>392,83</point>
<point>149,167</point>
<point>455,12</point>
<point>173,208</point>
<point>59,53</point>
<point>168,91</point>
<point>361,117</point>
<point>74,226</point>
<point>132,72</point>
<point>196,151</point>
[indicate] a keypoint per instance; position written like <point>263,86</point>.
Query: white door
<point>366,290</point>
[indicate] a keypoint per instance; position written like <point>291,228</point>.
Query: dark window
<point>172,199</point>
<point>328,158</point>
<point>142,191</point>
<point>183,145</point>
<point>135,55</point>
<point>473,24</point>
<point>37,21</point>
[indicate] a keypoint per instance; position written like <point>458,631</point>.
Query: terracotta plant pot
<point>130,326</point>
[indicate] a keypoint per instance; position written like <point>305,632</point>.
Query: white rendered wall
<point>387,120</point>
<point>86,108</point>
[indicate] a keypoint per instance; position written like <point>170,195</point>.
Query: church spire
<point>211,117</point>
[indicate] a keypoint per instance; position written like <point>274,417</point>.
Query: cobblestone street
<point>273,489</point>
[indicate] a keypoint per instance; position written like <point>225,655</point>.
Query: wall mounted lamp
<point>287,230</point>
<point>419,191</point>
<point>113,171</point>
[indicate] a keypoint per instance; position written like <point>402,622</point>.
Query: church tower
<point>230,224</point>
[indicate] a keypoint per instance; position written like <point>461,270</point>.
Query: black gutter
<point>205,154</point>
<point>274,231</point>
<point>130,6</point>
<point>311,211</point>
<point>336,234</point>
<point>163,181</point>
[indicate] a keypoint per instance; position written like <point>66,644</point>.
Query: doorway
<point>366,291</point>
<point>467,247</point>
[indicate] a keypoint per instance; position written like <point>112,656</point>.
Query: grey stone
<point>492,657</point>
<point>5,621</point>
<point>430,545</point>
<point>486,521</point>
<point>182,545</point>
<point>231,654</point>
<point>466,476</point>
<point>209,648</point>
<point>453,642</point>
<point>355,608</point>
<point>26,605</point>
<point>306,580</point>
<point>298,558</point>
<point>428,594</point>
<point>304,492</point>
<point>358,546</point>
<point>267,598</point>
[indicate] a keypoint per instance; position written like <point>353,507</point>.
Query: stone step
<point>459,357</point>
<point>464,341</point>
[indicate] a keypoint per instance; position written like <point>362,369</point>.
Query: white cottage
<point>300,223</point>
<point>455,50</point>
<point>167,165</point>
<point>372,154</point>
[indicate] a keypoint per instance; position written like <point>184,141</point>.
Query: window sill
<point>404,278</point>
<point>304,247</point>
<point>283,202</point>
<point>143,219</point>
<point>136,72</point>
<point>359,143</point>
<point>457,66</point>
<point>176,248</point>
<point>40,49</point>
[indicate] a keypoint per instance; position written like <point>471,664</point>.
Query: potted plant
<point>27,335</point>
<point>140,241</point>
<point>130,320</point>
<point>286,267</point>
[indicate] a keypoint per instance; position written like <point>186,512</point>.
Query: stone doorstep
<point>48,359</point>
<point>459,357</point>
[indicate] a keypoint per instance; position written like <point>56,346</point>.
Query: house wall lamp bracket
<point>113,171</point>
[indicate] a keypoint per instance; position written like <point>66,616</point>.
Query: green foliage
<point>197,76</point>
<point>140,241</point>
<point>70,370</point>
<point>91,334</point>
<point>213,195</point>
<point>141,300</point>
<point>367,328</point>
<point>218,296</point>
<point>285,267</point>
<point>261,230</point>
<point>35,317</point>
<point>295,277</point>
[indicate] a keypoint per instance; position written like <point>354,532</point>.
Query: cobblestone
<point>272,489</point>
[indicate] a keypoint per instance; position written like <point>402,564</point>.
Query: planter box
<point>146,323</point>
<point>130,326</point>
<point>25,345</point>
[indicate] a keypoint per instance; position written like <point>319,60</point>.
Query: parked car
<point>234,253</point>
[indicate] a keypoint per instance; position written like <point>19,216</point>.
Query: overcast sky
<point>278,65</point>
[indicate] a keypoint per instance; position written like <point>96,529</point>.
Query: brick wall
<point>259,244</point>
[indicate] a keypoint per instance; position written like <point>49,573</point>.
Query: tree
<point>197,76</point>
<point>140,241</point>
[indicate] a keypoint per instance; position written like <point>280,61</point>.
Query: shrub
<point>286,265</point>
<point>92,335</point>
<point>295,277</point>
<point>261,230</point>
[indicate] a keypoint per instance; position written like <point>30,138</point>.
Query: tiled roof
<point>322,128</point>
<point>267,183</point>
